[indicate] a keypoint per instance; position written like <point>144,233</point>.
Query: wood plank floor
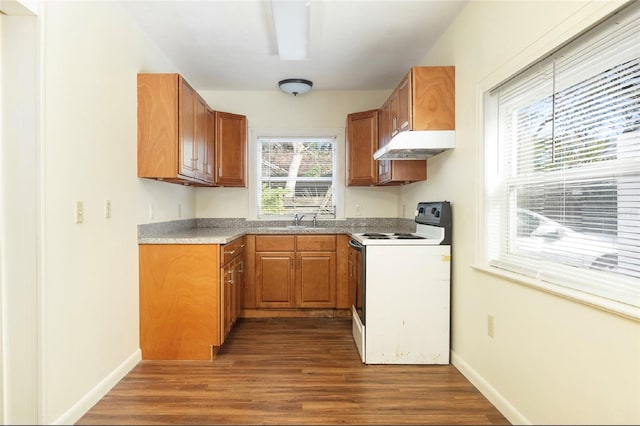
<point>292,371</point>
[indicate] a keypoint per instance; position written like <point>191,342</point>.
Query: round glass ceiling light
<point>295,86</point>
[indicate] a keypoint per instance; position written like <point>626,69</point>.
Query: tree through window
<point>296,176</point>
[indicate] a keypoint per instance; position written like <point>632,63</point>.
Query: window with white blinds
<point>296,175</point>
<point>562,165</point>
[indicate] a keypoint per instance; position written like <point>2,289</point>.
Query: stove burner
<point>409,237</point>
<point>395,236</point>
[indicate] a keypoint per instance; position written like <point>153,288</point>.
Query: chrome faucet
<point>297,219</point>
<point>315,222</point>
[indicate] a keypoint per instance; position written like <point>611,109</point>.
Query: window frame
<point>313,133</point>
<point>488,166</point>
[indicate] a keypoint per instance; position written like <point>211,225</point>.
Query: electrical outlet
<point>490,325</point>
<point>179,210</point>
<point>79,212</point>
<point>107,209</point>
<point>152,211</point>
<point>358,210</point>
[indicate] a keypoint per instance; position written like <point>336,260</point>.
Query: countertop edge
<point>226,235</point>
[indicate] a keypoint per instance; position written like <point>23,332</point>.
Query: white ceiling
<point>353,44</point>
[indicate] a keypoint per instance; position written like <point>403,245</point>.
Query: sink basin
<point>297,227</point>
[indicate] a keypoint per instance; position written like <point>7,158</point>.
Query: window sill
<point>617,308</point>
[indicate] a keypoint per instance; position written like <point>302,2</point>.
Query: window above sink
<point>296,176</point>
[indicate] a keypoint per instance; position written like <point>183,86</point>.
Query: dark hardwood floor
<point>292,371</point>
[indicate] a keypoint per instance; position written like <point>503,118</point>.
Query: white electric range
<point>402,309</point>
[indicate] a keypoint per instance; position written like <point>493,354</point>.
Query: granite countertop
<point>223,231</point>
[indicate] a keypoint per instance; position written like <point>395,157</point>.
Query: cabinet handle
<point>233,276</point>
<point>229,252</point>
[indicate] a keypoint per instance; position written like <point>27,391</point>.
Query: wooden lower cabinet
<point>179,301</point>
<point>295,271</point>
<point>232,279</point>
<point>190,297</point>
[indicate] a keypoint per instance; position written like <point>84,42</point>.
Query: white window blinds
<point>563,165</point>
<point>296,175</point>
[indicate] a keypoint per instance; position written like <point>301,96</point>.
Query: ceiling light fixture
<point>291,21</point>
<point>295,86</point>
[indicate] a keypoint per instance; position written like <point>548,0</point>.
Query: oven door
<point>357,275</point>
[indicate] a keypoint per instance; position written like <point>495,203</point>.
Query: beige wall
<point>315,111</point>
<point>86,287</point>
<point>553,360</point>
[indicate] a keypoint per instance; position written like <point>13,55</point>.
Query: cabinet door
<point>384,124</point>
<point>231,141</point>
<point>187,129</point>
<point>385,129</point>
<point>275,279</point>
<point>238,287</point>
<point>362,142</point>
<point>228,302</point>
<point>179,301</point>
<point>433,98</point>
<point>201,140</point>
<point>210,147</point>
<point>403,104</point>
<point>158,130</point>
<point>316,279</point>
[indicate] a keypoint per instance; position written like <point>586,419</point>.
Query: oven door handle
<point>355,244</point>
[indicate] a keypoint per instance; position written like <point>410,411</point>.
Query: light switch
<point>107,209</point>
<point>79,212</point>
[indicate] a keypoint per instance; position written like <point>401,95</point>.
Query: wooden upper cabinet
<point>397,112</point>
<point>423,100</point>
<point>362,142</point>
<point>171,129</point>
<point>231,149</point>
<point>432,102</point>
<point>182,140</point>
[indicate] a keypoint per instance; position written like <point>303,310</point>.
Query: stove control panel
<point>436,213</point>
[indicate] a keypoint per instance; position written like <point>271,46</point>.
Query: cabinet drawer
<point>275,243</point>
<point>316,243</point>
<point>230,250</point>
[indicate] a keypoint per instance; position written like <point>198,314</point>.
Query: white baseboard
<point>514,416</point>
<point>81,407</point>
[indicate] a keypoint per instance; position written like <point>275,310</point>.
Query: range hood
<point>417,145</point>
